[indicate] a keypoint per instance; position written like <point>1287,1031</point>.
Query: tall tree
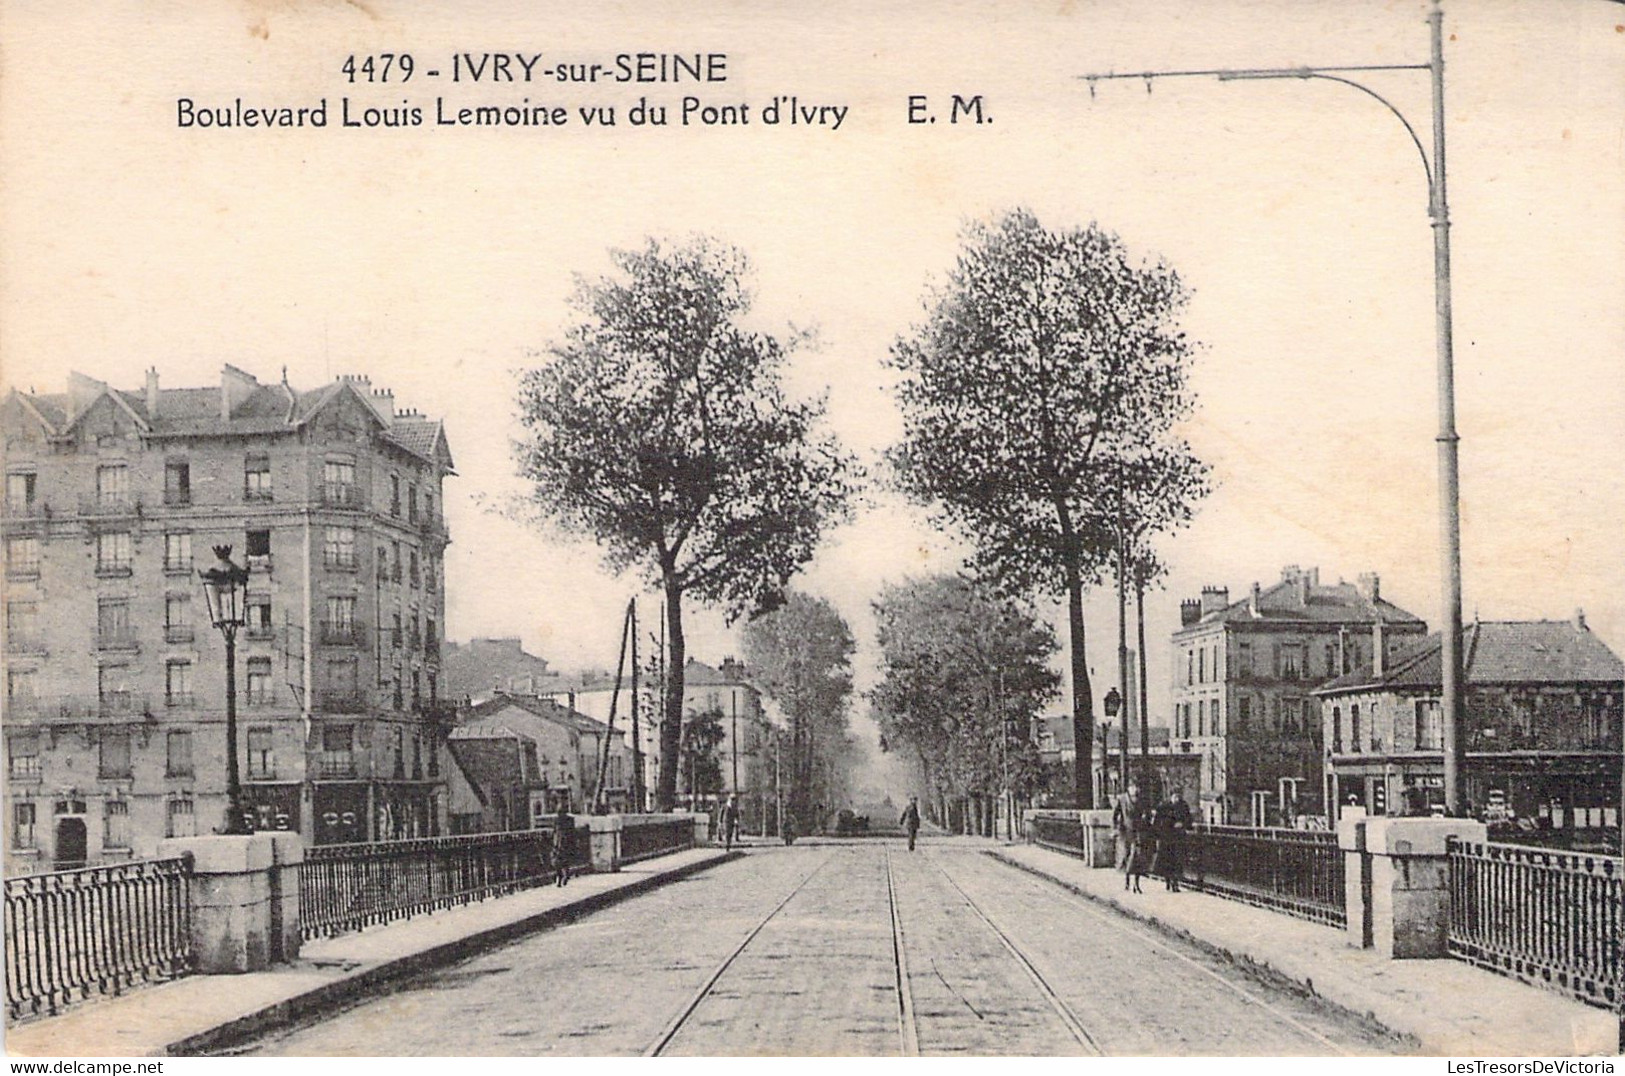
<point>800,655</point>
<point>702,769</point>
<point>963,673</point>
<point>659,427</point>
<point>1044,363</point>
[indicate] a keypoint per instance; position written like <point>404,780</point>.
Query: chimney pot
<point>152,392</point>
<point>1369,586</point>
<point>1580,620</point>
<point>1252,599</point>
<point>1190,611</point>
<point>1215,599</point>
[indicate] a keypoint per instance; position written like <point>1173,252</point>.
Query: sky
<point>438,260</point>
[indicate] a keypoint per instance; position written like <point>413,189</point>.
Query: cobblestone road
<point>842,948</point>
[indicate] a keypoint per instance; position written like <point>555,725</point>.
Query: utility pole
<point>1122,627</point>
<point>637,750</point>
<point>1446,438</point>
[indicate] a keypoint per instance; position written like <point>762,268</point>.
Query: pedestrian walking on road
<point>730,821</point>
<point>1171,822</point>
<point>911,820</point>
<point>1132,820</point>
<point>563,829</point>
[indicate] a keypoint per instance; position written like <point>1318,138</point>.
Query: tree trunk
<point>1145,716</point>
<point>671,720</point>
<point>1083,703</point>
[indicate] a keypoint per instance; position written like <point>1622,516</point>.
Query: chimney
<point>1580,620</point>
<point>1252,600</point>
<point>1369,586</point>
<point>731,670</point>
<point>383,401</point>
<point>1215,599</point>
<point>1378,654</point>
<point>152,392</point>
<point>235,387</point>
<point>1190,611</point>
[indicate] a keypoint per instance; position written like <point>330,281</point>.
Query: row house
<point>1543,705</point>
<point>1243,677</point>
<point>115,679</point>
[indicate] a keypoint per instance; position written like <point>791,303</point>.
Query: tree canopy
<point>659,428</point>
<point>1050,370</point>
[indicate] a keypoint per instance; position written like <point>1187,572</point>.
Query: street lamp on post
<point>1114,702</point>
<point>1446,438</point>
<point>225,588</point>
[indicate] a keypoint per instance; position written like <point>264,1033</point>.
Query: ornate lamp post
<point>1113,703</point>
<point>225,588</point>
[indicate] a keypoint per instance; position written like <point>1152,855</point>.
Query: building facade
<point>115,678</point>
<point>1243,677</point>
<point>559,754</point>
<point>1543,706</point>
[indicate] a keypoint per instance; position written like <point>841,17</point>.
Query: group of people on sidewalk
<point>1151,840</point>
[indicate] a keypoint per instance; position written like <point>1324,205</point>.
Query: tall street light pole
<point>225,588</point>
<point>1447,439</point>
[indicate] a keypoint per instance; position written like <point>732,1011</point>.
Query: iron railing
<point>1057,834</point>
<point>645,838</point>
<point>1555,919</point>
<point>99,929</point>
<point>344,887</point>
<point>1299,872</point>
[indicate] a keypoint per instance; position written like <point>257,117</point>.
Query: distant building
<point>1165,769</point>
<point>1243,673</point>
<point>529,756</point>
<point>1544,701</point>
<point>480,668</point>
<point>115,696</point>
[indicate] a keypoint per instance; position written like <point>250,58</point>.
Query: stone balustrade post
<point>231,905</point>
<point>605,836</point>
<point>1099,838</point>
<point>1409,903</point>
<point>1356,877</point>
<point>287,854</point>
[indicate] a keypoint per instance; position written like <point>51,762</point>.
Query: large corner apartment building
<point>115,679</point>
<point>1243,674</point>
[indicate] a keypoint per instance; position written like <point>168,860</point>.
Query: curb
<point>1261,970</point>
<point>328,996</point>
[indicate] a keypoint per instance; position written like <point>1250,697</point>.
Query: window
<point>1201,666</point>
<point>412,574</point>
<point>1244,712</point>
<point>178,618</point>
<point>20,490</point>
<point>1244,659</point>
<point>178,552</point>
<point>259,681</point>
<point>1288,790</point>
<point>20,688</point>
<point>431,569</point>
<point>178,683</point>
<point>1429,725</point>
<point>1337,730</point>
<point>113,553</point>
<point>117,833</point>
<point>1290,709</point>
<point>113,629</point>
<point>398,751</point>
<point>336,760</point>
<point>1190,667</point>
<point>395,549</point>
<point>177,483</point>
<point>1331,659</point>
<point>417,690</point>
<point>113,758</point>
<point>23,819</point>
<point>1354,728</point>
<point>428,507</point>
<point>22,750</point>
<point>397,699</point>
<point>113,689</point>
<point>257,549</point>
<point>182,818</point>
<point>112,485</point>
<point>338,547</point>
<point>338,484</point>
<point>1215,662</point>
<point>257,616</point>
<point>22,555</point>
<point>1214,728</point>
<point>341,610</point>
<point>22,625</point>
<point>395,631</point>
<point>1201,717</point>
<point>178,761</point>
<point>257,478</point>
<point>395,495</point>
<point>261,755</point>
<point>412,504</point>
<point>431,641</point>
<point>417,635</point>
<point>1292,657</point>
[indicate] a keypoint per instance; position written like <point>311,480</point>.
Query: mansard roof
<point>1525,652</point>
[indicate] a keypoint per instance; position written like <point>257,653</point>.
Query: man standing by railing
<point>1170,823</point>
<point>730,821</point>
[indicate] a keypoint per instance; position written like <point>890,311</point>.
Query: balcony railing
<point>25,642</point>
<point>341,633</point>
<point>340,495</point>
<point>101,929</point>
<point>260,631</point>
<point>24,767</point>
<point>180,700</point>
<point>335,764</point>
<point>177,498</point>
<point>339,559</point>
<point>341,702</point>
<point>112,569</point>
<point>179,633</point>
<point>109,506</point>
<point>1554,919</point>
<point>117,639</point>
<point>177,566</point>
<point>34,509</point>
<point>77,707</point>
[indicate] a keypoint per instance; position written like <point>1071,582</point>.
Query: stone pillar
<point>605,833</point>
<point>702,828</point>
<point>1356,903</point>
<point>287,853</point>
<point>231,900</point>
<point>1410,882</point>
<point>1099,838</point>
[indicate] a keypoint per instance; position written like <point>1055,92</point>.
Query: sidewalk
<point>1448,1006</point>
<point>209,1012</point>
